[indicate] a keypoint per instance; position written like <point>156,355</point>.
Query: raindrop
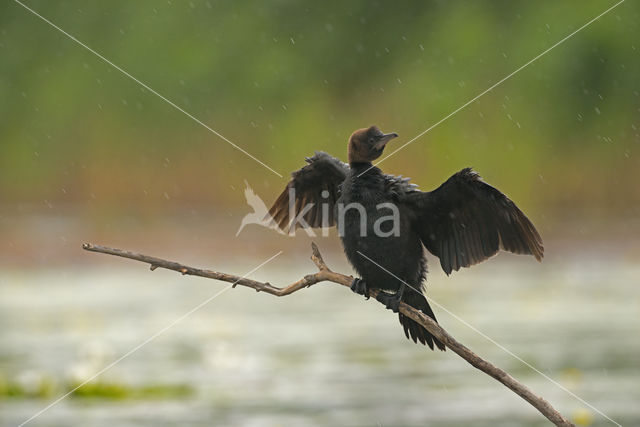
<point>292,41</point>
<point>597,111</point>
<point>421,47</point>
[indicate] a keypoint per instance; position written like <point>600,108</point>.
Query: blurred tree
<point>284,79</point>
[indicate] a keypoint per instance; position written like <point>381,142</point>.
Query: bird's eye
<point>371,140</point>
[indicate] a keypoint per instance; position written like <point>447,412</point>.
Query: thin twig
<point>325,274</point>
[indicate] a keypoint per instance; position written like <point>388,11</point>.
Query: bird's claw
<point>360,287</point>
<point>391,301</point>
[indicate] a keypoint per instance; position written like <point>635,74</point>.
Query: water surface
<point>323,356</point>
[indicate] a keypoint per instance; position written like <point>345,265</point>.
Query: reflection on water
<point>323,356</point>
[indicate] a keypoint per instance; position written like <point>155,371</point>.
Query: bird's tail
<point>412,329</point>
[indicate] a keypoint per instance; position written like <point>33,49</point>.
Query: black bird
<point>462,222</point>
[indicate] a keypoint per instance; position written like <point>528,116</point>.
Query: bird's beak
<point>384,139</point>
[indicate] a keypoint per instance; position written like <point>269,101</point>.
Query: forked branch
<point>325,274</point>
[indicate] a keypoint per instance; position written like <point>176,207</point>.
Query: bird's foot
<point>391,301</point>
<point>360,287</point>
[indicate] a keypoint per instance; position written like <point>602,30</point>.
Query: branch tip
<point>317,258</point>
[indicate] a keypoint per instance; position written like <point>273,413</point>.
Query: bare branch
<point>325,274</point>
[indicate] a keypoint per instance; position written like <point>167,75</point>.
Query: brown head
<point>366,145</point>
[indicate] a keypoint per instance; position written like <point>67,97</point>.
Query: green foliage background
<point>282,79</point>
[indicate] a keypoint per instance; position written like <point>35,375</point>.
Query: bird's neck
<point>359,165</point>
<point>364,170</point>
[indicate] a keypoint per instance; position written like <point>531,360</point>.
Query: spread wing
<point>314,186</point>
<point>465,221</point>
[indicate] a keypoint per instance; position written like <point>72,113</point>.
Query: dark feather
<point>466,221</point>
<point>323,172</point>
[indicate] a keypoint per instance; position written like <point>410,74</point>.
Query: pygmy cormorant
<point>384,221</point>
